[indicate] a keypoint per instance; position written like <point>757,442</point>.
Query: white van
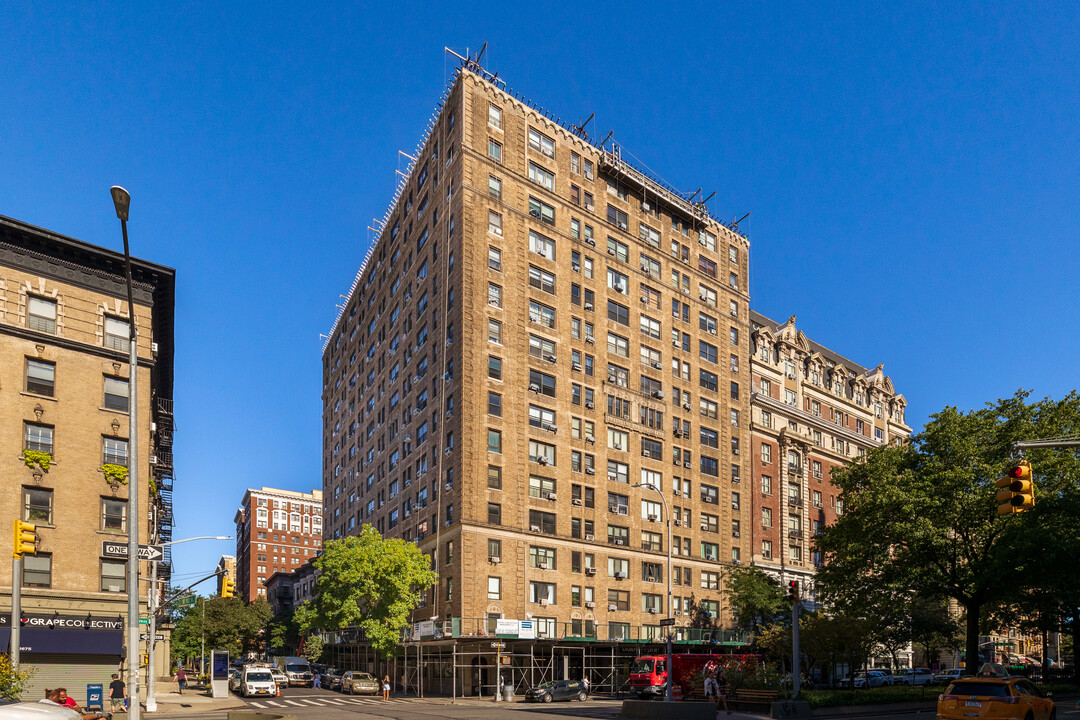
<point>257,681</point>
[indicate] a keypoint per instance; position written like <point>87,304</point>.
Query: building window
<point>494,368</point>
<point>495,332</point>
<point>37,570</point>
<point>495,404</point>
<point>115,452</point>
<point>116,394</point>
<point>494,441</point>
<point>494,588</point>
<point>494,548</point>
<point>495,116</point>
<point>113,576</point>
<point>41,315</point>
<point>37,505</point>
<point>117,334</point>
<point>40,377</point>
<point>39,438</point>
<point>494,514</point>
<point>541,177</point>
<point>541,144</point>
<point>494,151</point>
<point>113,514</point>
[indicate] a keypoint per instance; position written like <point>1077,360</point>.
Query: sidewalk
<point>194,700</point>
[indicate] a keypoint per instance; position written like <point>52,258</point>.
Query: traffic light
<point>1017,492</point>
<point>228,587</point>
<point>25,538</point>
<point>793,591</point>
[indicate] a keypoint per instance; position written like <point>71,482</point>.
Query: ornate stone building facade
<point>812,410</point>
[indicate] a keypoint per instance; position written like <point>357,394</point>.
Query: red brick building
<point>276,531</point>
<point>812,409</point>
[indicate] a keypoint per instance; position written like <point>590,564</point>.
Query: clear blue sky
<point>904,166</point>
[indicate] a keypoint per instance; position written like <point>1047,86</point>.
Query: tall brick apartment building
<point>812,410</point>
<point>64,392</point>
<point>276,531</point>
<point>539,329</point>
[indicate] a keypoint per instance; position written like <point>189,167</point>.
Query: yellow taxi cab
<point>994,697</point>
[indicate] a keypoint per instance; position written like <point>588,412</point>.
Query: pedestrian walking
<point>721,693</point>
<point>118,694</point>
<point>585,682</point>
<point>316,681</point>
<point>181,678</point>
<point>386,687</point>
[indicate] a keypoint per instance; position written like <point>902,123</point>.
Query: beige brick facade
<point>610,318</point>
<point>63,388</point>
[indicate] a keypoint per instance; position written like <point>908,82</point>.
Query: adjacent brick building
<point>812,410</point>
<point>64,374</point>
<point>276,531</point>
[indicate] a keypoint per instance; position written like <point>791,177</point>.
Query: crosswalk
<point>324,701</point>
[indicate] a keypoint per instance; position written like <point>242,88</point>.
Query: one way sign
<point>120,550</point>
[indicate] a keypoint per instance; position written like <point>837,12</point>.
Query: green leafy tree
<point>756,597</point>
<point>225,623</point>
<point>283,634</point>
<point>13,681</point>
<point>312,648</point>
<point>933,628</point>
<point>369,582</point>
<point>922,516</point>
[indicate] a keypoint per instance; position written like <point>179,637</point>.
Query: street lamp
<point>122,202</point>
<point>151,640</point>
<point>667,515</point>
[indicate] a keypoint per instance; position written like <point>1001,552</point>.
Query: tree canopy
<point>226,623</point>
<point>756,597</point>
<point>369,582</point>
<point>923,516</point>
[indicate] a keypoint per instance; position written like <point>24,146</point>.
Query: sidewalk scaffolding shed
<point>465,657</point>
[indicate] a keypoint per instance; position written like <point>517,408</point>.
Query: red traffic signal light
<point>793,591</point>
<point>1018,489</point>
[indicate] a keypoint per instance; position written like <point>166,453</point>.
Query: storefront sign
<point>57,621</point>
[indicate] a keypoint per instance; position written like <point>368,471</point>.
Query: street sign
<point>157,637</point>
<point>120,550</point>
<point>186,600</point>
<point>144,621</point>
<point>498,645</point>
<point>667,621</point>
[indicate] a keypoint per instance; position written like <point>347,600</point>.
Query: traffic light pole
<point>795,650</point>
<point>16,607</point>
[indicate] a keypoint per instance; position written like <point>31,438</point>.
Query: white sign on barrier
<point>506,627</point>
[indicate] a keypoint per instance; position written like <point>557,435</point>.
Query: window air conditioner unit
<point>542,460</point>
<point>735,533</point>
<point>575,366</point>
<point>544,601</point>
<point>686,463</point>
<point>653,611</point>
<point>534,528</point>
<point>588,306</point>
<point>646,207</point>
<point>590,571</point>
<point>589,405</point>
<point>542,565</point>
<point>620,541</point>
<point>590,471</point>
<point>612,607</point>
<point>686,406</point>
<point>653,518</point>
<point>590,538</point>
<point>617,446</point>
<point>551,496</point>
<point>677,433</point>
<point>675,344</point>
<point>551,428</point>
<point>153,459</point>
<point>678,523</point>
<point>449,450</point>
<point>676,612</point>
<point>658,366</point>
<point>611,251</point>
<point>678,493</point>
<point>646,453</point>
<point>623,510</point>
<point>590,604</point>
<point>533,387</point>
<point>575,501</point>
<point>613,477</point>
<point>576,267</point>
<point>620,576</point>
<point>494,302</point>
<point>449,486</point>
<point>590,339</point>
<point>658,394</point>
<point>590,241</point>
<point>550,358</point>
<point>645,267</point>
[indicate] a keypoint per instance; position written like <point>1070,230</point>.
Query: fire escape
<point>161,462</point>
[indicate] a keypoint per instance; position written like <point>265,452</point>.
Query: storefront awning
<point>65,642</point>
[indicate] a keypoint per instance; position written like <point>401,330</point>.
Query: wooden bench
<point>743,696</point>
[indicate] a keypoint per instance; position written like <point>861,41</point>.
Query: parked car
<point>561,690</point>
<point>330,678</point>
<point>257,681</point>
<point>947,676</point>
<point>235,676</point>
<point>37,710</point>
<point>917,676</point>
<point>867,678</point>
<point>359,683</point>
<point>994,697</point>
<point>279,676</point>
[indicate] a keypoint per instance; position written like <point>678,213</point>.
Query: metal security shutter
<point>73,672</point>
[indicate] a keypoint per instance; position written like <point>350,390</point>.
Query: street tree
<point>369,582</point>
<point>755,597</point>
<point>224,623</point>
<point>923,516</point>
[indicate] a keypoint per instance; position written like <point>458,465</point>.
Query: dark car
<point>330,678</point>
<point>561,690</point>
